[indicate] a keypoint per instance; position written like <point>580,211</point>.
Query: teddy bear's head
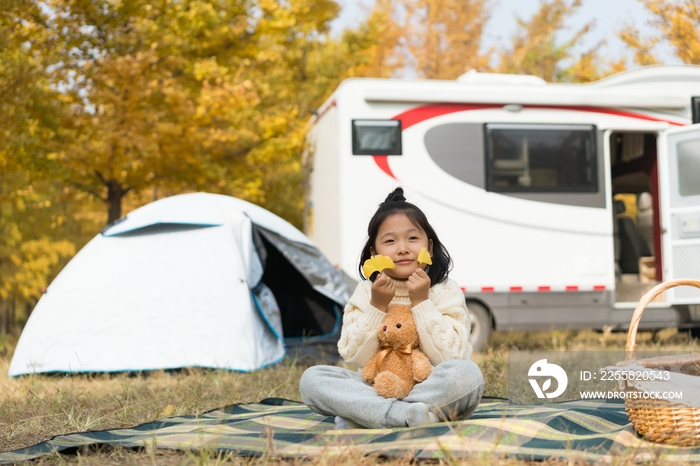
<point>398,328</point>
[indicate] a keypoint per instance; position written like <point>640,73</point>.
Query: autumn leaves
<point>375,264</point>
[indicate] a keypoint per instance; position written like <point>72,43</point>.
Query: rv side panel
<point>323,222</point>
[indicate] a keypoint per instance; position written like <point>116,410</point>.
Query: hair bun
<point>396,196</point>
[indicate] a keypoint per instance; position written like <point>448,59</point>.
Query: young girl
<point>399,230</point>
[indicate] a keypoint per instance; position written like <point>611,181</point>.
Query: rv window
<point>376,137</point>
<point>541,158</point>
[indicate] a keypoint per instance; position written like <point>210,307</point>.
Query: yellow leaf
<point>376,264</point>
<point>424,257</point>
<point>169,410</point>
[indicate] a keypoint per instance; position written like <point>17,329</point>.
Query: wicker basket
<point>657,420</point>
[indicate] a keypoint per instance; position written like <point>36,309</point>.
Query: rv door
<point>679,176</point>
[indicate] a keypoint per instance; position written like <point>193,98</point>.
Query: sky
<point>609,15</point>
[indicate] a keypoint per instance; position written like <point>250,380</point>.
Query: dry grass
<point>34,408</point>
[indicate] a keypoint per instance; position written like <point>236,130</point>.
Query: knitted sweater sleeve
<point>443,324</point>
<point>358,337</point>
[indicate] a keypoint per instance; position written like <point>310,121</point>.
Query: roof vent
<point>474,77</point>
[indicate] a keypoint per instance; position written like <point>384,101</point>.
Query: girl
<point>399,230</point>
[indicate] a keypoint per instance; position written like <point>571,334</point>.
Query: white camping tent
<point>191,280</point>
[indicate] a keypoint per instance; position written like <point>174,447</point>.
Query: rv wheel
<point>481,325</point>
<point>695,332</point>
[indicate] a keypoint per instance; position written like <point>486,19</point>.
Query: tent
<point>191,280</point>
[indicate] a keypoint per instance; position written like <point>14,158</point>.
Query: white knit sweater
<point>442,322</point>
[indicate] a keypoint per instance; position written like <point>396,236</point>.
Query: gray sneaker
<point>344,424</point>
<point>419,414</point>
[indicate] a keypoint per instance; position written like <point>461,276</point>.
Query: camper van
<point>560,204</point>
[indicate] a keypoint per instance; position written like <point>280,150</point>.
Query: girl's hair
<point>395,203</point>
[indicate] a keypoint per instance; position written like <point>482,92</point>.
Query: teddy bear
<point>399,364</point>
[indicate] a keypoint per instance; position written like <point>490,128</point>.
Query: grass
<point>34,408</point>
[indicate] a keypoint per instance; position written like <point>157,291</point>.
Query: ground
<point>34,408</point>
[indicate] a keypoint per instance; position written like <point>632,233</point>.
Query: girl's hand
<point>418,287</point>
<point>383,290</point>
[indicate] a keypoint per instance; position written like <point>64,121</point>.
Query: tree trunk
<point>11,319</point>
<point>115,194</point>
<point>3,319</point>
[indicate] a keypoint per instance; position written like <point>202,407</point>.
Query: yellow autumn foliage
<point>536,48</point>
<point>377,264</point>
<point>424,257</point>
<point>435,39</point>
<point>443,37</point>
<point>677,23</point>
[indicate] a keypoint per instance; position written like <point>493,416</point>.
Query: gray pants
<point>452,391</point>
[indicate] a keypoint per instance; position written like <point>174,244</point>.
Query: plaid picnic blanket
<point>592,430</point>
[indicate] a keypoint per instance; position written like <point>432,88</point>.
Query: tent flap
<point>313,265</point>
<point>270,310</point>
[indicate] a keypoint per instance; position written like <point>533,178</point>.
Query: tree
<point>374,48</point>
<point>158,92</point>
<point>27,262</point>
<point>30,112</point>
<point>294,72</point>
<point>28,107</point>
<point>537,50</point>
<point>592,67</point>
<point>434,39</point>
<point>678,24</point>
<point>443,37</point>
<point>192,95</point>
<point>642,47</point>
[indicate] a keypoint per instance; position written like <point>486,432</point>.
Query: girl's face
<point>401,240</point>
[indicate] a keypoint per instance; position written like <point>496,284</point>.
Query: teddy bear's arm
<point>369,372</point>
<point>421,366</point>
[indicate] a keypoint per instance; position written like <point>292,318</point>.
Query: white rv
<point>519,178</point>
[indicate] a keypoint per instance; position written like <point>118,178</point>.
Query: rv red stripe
<point>419,114</point>
<point>515,289</point>
<point>383,163</point>
<point>607,111</point>
<point>426,112</point>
